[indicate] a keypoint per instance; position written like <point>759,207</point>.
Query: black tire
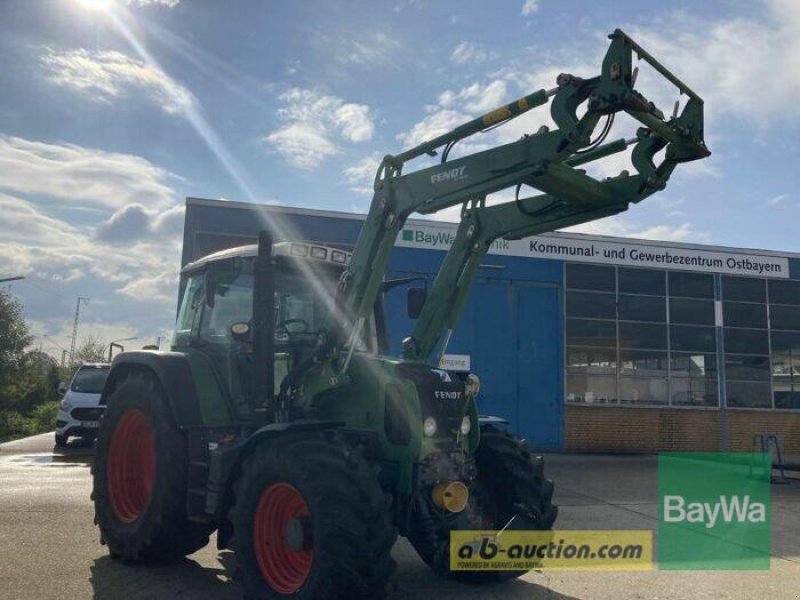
<point>61,441</point>
<point>347,528</point>
<point>161,530</point>
<point>510,484</point>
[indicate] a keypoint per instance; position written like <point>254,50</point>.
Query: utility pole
<point>81,300</point>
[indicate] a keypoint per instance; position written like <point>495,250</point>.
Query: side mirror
<point>210,287</point>
<point>62,388</point>
<point>415,301</point>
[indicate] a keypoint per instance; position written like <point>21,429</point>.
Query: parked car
<point>80,411</point>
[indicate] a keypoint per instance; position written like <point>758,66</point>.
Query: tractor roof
<point>296,250</point>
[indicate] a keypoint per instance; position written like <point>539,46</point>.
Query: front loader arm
<point>481,225</point>
<point>547,160</point>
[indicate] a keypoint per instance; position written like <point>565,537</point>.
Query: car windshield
<point>89,380</point>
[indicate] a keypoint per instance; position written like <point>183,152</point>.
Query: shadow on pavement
<point>111,580</point>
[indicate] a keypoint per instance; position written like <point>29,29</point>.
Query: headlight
<point>429,427</point>
<point>466,425</point>
<point>473,385</point>
<point>66,405</point>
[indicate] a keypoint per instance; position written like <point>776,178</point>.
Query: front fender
<point>173,372</point>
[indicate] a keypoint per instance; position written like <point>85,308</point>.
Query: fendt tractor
<point>278,419</point>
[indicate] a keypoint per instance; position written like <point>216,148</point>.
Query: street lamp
<point>116,344</point>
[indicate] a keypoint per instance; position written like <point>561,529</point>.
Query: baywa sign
<point>714,511</point>
<point>440,236</point>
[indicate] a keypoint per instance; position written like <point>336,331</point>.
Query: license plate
<point>90,424</point>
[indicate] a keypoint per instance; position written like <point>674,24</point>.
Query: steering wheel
<point>283,326</point>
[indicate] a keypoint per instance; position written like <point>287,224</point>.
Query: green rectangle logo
<point>714,511</point>
<point>408,235</point>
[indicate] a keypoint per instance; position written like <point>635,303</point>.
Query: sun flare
<point>98,5</point>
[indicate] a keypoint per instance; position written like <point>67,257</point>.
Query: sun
<point>98,5</point>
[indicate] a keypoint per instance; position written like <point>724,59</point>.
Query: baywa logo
<point>714,511</point>
<point>454,174</point>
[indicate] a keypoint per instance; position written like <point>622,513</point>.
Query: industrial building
<point>591,343</point>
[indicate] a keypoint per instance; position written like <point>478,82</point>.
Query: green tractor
<point>277,418</point>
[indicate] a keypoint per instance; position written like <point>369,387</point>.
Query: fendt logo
<point>733,508</point>
<point>455,174</point>
<point>440,395</point>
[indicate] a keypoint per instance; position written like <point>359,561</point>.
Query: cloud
<point>167,3</point>
<point>80,176</point>
<point>313,125</point>
<point>471,53</point>
<point>529,7</point>
<point>455,108</point>
<point>134,222</point>
<point>374,49</point>
<point>777,199</point>
<point>361,175</point>
<point>620,227</point>
<point>476,98</point>
<point>108,75</point>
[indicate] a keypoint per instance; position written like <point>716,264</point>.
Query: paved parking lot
<point>49,546</point>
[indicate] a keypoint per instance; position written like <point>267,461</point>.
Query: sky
<point>112,112</point>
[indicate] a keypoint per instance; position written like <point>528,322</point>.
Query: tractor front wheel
<point>310,520</point>
<point>140,477</point>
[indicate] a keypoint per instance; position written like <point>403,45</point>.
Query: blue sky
<point>113,111</point>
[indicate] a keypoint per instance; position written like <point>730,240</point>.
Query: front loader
<point>278,420</point>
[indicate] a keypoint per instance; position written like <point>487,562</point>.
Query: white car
<point>80,411</point>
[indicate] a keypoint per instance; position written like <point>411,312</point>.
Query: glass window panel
<point>784,341</point>
<point>748,394</point>
<point>642,362</point>
<point>642,281</point>
<point>738,314</point>
<point>643,390</point>
<point>784,292</point>
<point>691,312</point>
<point>689,338</point>
<point>786,366</point>
<point>590,277</point>
<point>584,332</point>
<point>591,389</point>
<point>787,398</point>
<point>592,360</point>
<point>746,341</point>
<point>691,285</point>
<point>747,368</point>
<point>744,288</point>
<point>642,308</point>
<point>694,365</point>
<point>642,335</point>
<point>591,305</point>
<point>784,317</point>
<point>694,392</point>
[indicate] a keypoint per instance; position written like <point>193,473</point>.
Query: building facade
<point>590,343</point>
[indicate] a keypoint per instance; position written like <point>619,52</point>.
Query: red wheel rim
<point>284,568</point>
<point>131,465</point>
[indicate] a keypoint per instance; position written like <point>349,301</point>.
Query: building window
<point>747,354</point>
<point>649,337</point>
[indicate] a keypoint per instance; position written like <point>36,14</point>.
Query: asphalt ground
<point>49,547</point>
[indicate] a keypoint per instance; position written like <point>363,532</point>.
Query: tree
<point>14,338</point>
<point>92,349</point>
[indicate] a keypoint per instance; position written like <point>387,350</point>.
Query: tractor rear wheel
<point>311,521</point>
<point>140,477</point>
<point>510,490</point>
